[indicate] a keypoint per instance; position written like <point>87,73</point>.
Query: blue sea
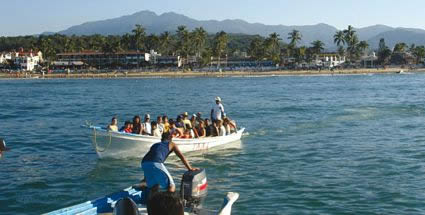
<point>313,144</point>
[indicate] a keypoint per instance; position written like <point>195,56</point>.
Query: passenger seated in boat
<point>193,121</point>
<point>146,126</point>
<point>165,203</point>
<point>127,127</point>
<point>201,130</point>
<point>208,128</point>
<point>193,132</point>
<point>220,128</point>
<point>186,134</point>
<point>229,126</point>
<point>179,122</point>
<point>198,119</point>
<point>186,122</point>
<point>160,124</point>
<point>166,124</point>
<point>174,131</point>
<point>155,130</point>
<point>114,125</point>
<point>137,127</point>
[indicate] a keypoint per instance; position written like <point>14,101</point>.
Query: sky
<point>27,17</point>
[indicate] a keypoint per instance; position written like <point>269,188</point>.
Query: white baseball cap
<point>218,99</point>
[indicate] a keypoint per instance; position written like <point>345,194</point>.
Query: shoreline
<point>215,74</point>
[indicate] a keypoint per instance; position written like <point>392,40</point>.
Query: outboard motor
<point>126,206</point>
<point>194,188</point>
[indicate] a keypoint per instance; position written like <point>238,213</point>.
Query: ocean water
<point>313,144</point>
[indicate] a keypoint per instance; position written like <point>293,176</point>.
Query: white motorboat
<point>109,144</point>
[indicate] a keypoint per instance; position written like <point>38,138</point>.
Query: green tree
<point>272,47</point>
<point>256,49</point>
<point>183,43</point>
<point>220,45</point>
<point>152,42</point>
<point>384,53</point>
<point>339,38</point>
<point>165,43</point>
<point>362,47</point>
<point>199,38</point>
<point>294,37</point>
<point>400,47</point>
<point>317,47</point>
<point>419,53</point>
<point>126,41</point>
<point>139,37</point>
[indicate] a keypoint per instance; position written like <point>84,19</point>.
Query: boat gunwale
<point>179,141</point>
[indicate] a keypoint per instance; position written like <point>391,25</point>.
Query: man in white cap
<point>3,147</point>
<point>147,129</point>
<point>217,111</point>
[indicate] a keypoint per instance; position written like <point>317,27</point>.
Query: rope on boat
<point>95,141</point>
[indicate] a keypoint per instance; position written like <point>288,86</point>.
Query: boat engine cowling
<point>194,187</point>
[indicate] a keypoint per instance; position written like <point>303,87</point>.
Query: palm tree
<point>139,36</point>
<point>220,45</point>
<point>152,42</point>
<point>183,43</point>
<point>363,45</point>
<point>419,53</point>
<point>126,41</point>
<point>384,52</point>
<point>294,36</point>
<point>165,42</point>
<point>318,46</point>
<point>400,47</point>
<point>349,35</point>
<point>199,38</point>
<point>339,38</point>
<point>256,49</point>
<point>272,47</point>
<point>300,53</point>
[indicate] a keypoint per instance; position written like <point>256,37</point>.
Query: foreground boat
<point>193,192</point>
<point>106,205</point>
<point>110,144</point>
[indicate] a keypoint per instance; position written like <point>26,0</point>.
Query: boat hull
<point>105,205</point>
<point>109,144</point>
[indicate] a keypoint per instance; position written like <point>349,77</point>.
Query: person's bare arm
<point>212,111</point>
<point>204,133</point>
<point>176,150</point>
<point>196,133</point>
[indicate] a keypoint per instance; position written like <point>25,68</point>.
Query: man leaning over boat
<point>153,163</point>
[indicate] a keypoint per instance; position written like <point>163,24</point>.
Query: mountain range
<point>157,24</point>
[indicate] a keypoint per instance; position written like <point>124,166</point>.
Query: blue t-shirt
<point>157,153</point>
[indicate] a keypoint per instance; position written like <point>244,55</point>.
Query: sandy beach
<point>182,74</point>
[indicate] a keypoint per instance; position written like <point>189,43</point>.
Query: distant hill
<point>399,35</point>
<point>170,21</point>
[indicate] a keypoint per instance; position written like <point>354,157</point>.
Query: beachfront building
<point>369,61</point>
<point>240,63</point>
<point>27,61</point>
<point>4,57</point>
<point>100,60</point>
<point>328,60</point>
<point>118,60</point>
<point>165,61</point>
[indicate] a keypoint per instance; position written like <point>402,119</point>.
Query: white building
<point>27,60</point>
<point>329,60</point>
<point>4,57</point>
